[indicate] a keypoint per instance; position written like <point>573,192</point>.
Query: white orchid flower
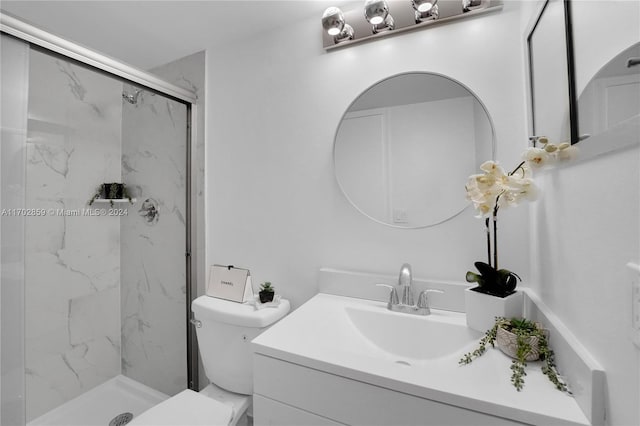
<point>495,189</point>
<point>484,209</point>
<point>543,140</point>
<point>512,182</point>
<point>482,182</point>
<point>536,157</point>
<point>531,192</point>
<point>492,168</point>
<point>525,189</point>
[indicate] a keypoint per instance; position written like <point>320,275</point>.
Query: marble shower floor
<point>102,403</point>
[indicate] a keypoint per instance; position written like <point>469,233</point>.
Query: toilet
<point>225,330</point>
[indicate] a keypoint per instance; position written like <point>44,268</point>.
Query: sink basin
<point>411,337</point>
<point>365,332</point>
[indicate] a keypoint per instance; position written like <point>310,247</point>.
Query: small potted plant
<point>111,191</point>
<point>522,340</point>
<point>266,292</point>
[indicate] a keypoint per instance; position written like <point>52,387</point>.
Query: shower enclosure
<point>91,292</point>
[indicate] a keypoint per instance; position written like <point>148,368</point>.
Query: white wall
<point>274,105</point>
<point>585,229</point>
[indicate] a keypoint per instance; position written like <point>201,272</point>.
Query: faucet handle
<point>393,295</point>
<point>423,301</point>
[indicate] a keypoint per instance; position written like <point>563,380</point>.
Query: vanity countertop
<point>320,335</point>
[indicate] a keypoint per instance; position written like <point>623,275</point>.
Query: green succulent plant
<point>110,191</point>
<point>267,287</point>
<point>523,329</point>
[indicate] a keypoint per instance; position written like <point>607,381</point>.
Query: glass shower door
<point>13,116</point>
<point>104,285</point>
<point>153,286</point>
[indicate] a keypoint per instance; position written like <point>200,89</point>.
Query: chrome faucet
<point>405,281</point>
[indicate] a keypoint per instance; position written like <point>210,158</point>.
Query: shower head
<point>131,98</point>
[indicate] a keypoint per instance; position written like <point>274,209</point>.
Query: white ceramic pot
<point>482,309</point>
<point>508,344</point>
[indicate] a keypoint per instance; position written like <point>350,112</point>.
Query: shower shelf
<point>114,200</point>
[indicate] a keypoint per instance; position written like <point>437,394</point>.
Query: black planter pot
<point>112,191</point>
<point>266,296</point>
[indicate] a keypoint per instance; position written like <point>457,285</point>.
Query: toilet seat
<point>186,408</point>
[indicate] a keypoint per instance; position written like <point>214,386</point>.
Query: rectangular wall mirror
<point>584,79</point>
<point>551,77</point>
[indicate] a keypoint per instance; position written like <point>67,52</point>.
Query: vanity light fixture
<point>383,18</point>
<point>423,5</point>
<point>334,24</point>
<point>469,5</point>
<point>425,10</point>
<point>377,14</point>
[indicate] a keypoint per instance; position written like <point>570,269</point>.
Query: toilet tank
<point>224,339</point>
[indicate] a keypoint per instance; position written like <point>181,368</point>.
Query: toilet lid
<point>188,408</point>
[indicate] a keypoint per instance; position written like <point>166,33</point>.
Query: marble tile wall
<point>153,272</point>
<point>72,260</point>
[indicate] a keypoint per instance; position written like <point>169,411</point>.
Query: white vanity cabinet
<point>343,360</point>
<point>290,394</point>
<point>274,413</point>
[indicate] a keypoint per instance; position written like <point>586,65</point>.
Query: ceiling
<point>146,34</point>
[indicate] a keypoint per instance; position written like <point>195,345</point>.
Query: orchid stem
<point>517,168</point>
<point>495,238</point>
<point>487,229</point>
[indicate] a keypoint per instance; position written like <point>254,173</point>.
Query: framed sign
<point>230,283</point>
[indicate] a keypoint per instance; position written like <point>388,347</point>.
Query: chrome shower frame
<point>146,81</point>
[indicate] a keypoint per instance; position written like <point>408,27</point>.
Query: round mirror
<point>406,146</point>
